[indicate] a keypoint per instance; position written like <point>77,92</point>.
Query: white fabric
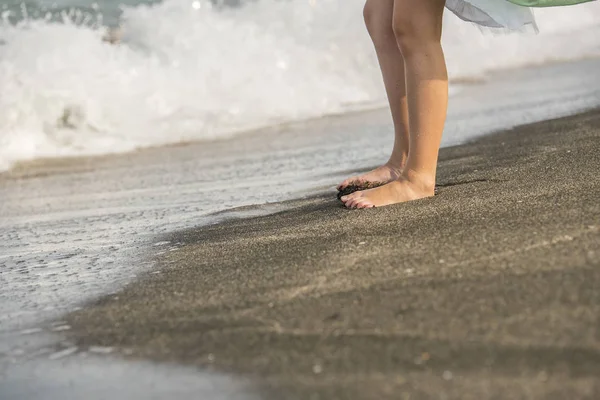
<point>493,13</point>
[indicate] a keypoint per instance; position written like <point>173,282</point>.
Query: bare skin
<point>388,172</point>
<point>417,28</point>
<point>378,19</point>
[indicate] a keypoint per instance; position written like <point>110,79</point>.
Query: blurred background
<point>187,70</point>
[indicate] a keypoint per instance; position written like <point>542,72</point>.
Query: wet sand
<point>490,290</point>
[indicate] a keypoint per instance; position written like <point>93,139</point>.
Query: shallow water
<point>86,376</point>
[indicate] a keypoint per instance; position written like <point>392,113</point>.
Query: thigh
<point>421,18</point>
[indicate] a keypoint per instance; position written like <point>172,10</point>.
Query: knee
<point>378,25</point>
<point>406,34</point>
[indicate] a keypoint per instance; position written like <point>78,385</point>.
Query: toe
<point>349,197</point>
<point>364,203</point>
<point>359,204</point>
<point>349,203</point>
<point>344,184</point>
<point>358,201</point>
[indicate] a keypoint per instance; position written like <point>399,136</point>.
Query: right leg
<point>378,19</point>
<point>418,29</point>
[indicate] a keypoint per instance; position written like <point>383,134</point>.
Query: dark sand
<point>490,290</point>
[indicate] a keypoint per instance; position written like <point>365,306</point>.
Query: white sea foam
<point>189,71</point>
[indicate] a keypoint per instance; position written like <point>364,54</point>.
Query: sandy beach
<point>490,290</point>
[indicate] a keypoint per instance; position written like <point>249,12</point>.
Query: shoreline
<point>29,168</point>
<point>487,290</point>
<point>48,166</point>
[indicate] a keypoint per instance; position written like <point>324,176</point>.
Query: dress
<point>493,13</point>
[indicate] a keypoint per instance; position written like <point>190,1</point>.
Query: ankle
<point>422,181</point>
<point>396,168</point>
<point>397,162</point>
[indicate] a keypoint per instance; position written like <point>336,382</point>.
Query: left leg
<point>379,15</point>
<point>418,29</point>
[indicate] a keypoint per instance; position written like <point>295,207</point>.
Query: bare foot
<point>378,177</point>
<point>401,190</point>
